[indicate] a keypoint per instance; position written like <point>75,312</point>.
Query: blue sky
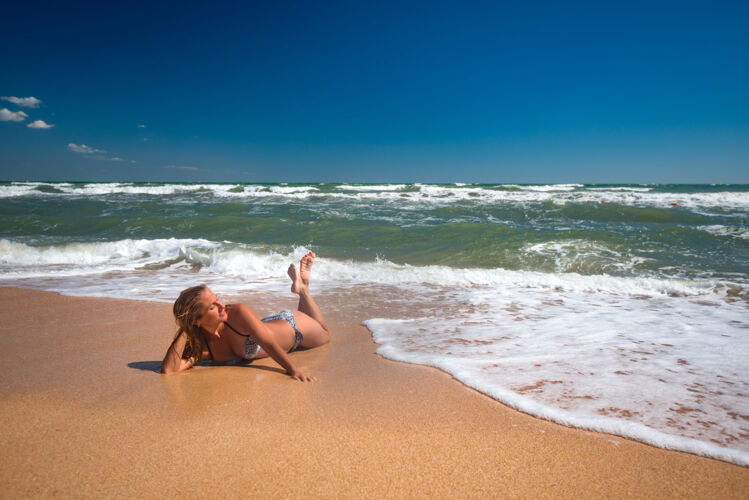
<point>366,92</point>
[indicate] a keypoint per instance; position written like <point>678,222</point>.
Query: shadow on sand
<point>155,366</point>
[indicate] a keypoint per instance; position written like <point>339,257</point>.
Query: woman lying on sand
<point>209,330</point>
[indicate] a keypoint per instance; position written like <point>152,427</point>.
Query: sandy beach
<point>86,413</point>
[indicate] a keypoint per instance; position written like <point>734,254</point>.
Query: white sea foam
<point>582,255</point>
<point>668,371</point>
<point>560,194</point>
<point>721,230</point>
<point>127,253</point>
<point>292,189</point>
<point>707,203</point>
<point>371,187</point>
<point>249,263</point>
<point>158,269</point>
<point>113,188</point>
<point>544,187</point>
<point>392,334</point>
<point>105,188</point>
<point>621,188</point>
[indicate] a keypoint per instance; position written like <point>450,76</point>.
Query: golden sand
<point>85,413</point>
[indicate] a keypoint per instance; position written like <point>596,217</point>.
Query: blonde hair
<point>187,310</point>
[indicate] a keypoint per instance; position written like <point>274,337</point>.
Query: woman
<point>209,330</point>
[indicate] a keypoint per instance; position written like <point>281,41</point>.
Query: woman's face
<point>214,311</point>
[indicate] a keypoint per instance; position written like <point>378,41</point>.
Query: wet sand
<point>85,412</point>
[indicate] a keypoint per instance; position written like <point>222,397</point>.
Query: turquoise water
<point>618,308</point>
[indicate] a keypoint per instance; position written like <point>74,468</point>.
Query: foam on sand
<point>663,369</point>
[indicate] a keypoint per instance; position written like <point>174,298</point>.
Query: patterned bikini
<point>252,349</point>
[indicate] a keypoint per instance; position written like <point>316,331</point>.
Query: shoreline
<point>86,413</point>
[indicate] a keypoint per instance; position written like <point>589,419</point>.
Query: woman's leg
<point>311,323</point>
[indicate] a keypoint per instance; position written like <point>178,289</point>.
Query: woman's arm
<point>248,321</point>
<point>173,361</point>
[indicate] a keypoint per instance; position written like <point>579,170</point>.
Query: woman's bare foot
<point>297,285</point>
<point>300,279</point>
<point>305,267</point>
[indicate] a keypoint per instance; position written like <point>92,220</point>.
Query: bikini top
<point>205,340</point>
<point>235,330</point>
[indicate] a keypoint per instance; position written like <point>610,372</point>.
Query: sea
<point>620,308</point>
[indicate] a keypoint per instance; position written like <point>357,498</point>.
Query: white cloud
<point>24,102</point>
<point>39,124</point>
<point>7,115</point>
<point>96,154</point>
<point>82,148</point>
<point>141,126</point>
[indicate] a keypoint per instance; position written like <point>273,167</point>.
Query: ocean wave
<point>416,194</point>
<point>582,256</point>
<point>250,263</point>
<point>620,188</point>
<point>129,253</point>
<point>372,187</point>
<point>292,189</point>
<point>16,189</point>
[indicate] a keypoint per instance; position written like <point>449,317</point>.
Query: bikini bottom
<point>252,349</point>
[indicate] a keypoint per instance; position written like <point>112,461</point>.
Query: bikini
<point>252,349</point>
